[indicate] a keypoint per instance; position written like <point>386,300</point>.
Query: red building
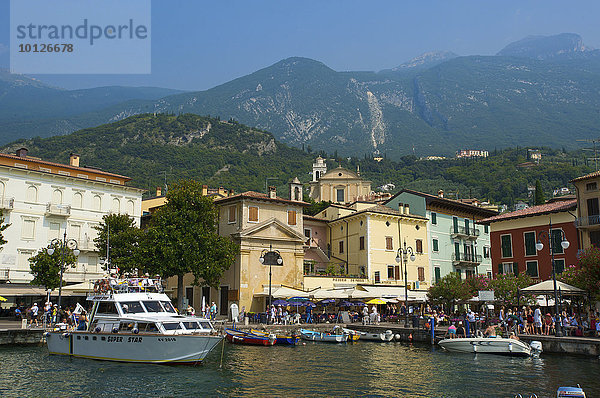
<point>514,236</point>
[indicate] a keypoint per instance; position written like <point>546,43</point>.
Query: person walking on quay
<point>213,311</point>
<point>537,320</point>
<point>365,313</point>
<point>472,322</point>
<point>309,318</point>
<point>34,315</point>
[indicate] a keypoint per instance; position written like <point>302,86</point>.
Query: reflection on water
<point>374,369</point>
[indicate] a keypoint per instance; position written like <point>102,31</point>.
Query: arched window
<point>78,200</point>
<point>32,193</point>
<point>297,193</point>
<point>130,207</point>
<point>97,203</point>
<point>57,196</point>
<point>116,206</point>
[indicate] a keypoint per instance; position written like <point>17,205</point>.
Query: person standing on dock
<point>309,314</point>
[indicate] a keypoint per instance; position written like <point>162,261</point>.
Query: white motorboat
<point>491,345</point>
<point>312,335</point>
<point>388,335</point>
<point>136,322</point>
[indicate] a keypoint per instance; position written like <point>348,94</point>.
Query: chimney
<point>401,208</point>
<point>22,152</point>
<point>441,193</point>
<point>74,160</point>
<point>272,192</point>
<point>204,190</point>
<point>158,191</point>
<point>406,209</point>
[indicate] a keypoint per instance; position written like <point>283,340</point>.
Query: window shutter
<point>253,213</point>
<point>500,268</point>
<point>292,217</point>
<point>516,268</point>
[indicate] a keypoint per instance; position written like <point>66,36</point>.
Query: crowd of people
<point>50,315</point>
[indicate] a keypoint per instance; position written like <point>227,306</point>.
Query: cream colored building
<point>338,185</point>
<point>588,209</point>
<point>41,200</point>
<point>257,222</point>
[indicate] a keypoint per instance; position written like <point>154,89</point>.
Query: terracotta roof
<point>311,218</point>
<point>259,196</point>
<point>67,166</point>
<point>585,177</point>
<point>546,208</point>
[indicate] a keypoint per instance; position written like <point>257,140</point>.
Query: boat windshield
<point>132,307</point>
<point>205,325</point>
<point>168,306</point>
<point>172,326</point>
<point>153,306</point>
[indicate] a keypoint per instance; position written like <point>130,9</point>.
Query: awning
<point>281,292</point>
<point>330,293</point>
<point>22,290</point>
<point>396,292</point>
<point>78,289</point>
<point>547,287</point>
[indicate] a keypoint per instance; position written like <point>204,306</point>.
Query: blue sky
<point>198,44</point>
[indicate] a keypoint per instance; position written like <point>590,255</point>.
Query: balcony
<point>465,233</point>
<point>588,222</point>
<point>7,204</point>
<point>4,274</point>
<point>86,245</point>
<point>58,210</point>
<point>466,259</point>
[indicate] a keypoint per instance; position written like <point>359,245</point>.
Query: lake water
<point>361,369</point>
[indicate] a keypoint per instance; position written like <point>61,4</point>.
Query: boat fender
<point>410,337</point>
<point>397,337</point>
<point>510,347</point>
<point>46,334</point>
<point>135,330</point>
<point>475,348</point>
<point>98,329</point>
<point>115,330</point>
<point>65,335</point>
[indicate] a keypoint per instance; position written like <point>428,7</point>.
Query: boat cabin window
<point>153,306</point>
<point>147,327</point>
<point>106,307</point>
<point>205,325</point>
<point>168,306</point>
<point>126,326</point>
<point>172,326</point>
<point>131,307</point>
<point>191,325</point>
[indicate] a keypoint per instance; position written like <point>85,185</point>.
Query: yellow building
<point>588,209</point>
<point>364,242</point>
<point>338,185</point>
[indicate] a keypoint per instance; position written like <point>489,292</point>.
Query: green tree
<point>45,267</point>
<point>586,275</point>
<point>449,290</point>
<point>123,240</point>
<point>182,238</point>
<point>506,289</point>
<point>3,227</point>
<point>539,193</point>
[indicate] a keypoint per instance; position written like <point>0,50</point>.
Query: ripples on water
<point>362,369</point>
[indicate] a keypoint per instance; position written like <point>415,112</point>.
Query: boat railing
<point>130,285</point>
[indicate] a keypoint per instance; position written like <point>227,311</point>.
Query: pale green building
<point>456,242</point>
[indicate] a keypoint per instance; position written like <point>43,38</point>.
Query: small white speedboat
<point>312,335</point>
<point>491,345</point>
<point>388,335</point>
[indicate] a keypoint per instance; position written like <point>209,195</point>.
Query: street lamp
<point>63,245</point>
<point>539,246</point>
<point>270,257</point>
<point>402,255</point>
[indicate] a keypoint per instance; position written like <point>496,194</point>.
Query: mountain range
<point>536,91</point>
